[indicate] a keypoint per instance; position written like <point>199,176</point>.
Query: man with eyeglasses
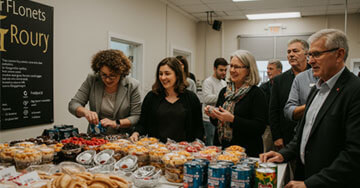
<point>327,142</point>
<point>282,129</point>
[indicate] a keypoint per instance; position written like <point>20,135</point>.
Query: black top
<point>280,126</point>
<point>171,118</point>
<point>149,123</point>
<point>249,122</point>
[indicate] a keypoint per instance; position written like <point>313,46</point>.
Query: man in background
<point>274,68</point>
<point>282,130</point>
<point>210,89</point>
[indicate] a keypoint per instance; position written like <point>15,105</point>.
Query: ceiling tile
<point>222,6</point>
<point>195,8</point>
<point>186,2</point>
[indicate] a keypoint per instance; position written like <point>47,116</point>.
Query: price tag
<point>29,178</point>
<point>8,172</point>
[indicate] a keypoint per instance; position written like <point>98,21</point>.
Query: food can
<point>193,174</point>
<point>240,176</point>
<point>65,133</point>
<point>228,166</point>
<point>75,131</point>
<point>265,177</point>
<point>69,126</point>
<point>216,175</point>
<point>205,167</point>
<point>269,165</point>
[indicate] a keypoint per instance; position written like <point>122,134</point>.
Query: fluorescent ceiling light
<point>273,15</point>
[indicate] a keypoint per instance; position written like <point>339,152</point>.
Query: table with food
<point>63,158</point>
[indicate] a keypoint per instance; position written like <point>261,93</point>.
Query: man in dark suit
<point>327,142</point>
<point>274,68</point>
<point>282,129</point>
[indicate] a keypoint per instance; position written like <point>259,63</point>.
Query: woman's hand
<point>223,115</point>
<point>91,117</point>
<point>108,123</point>
<point>207,111</point>
<point>134,137</point>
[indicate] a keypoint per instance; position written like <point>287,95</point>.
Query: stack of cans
<point>60,132</point>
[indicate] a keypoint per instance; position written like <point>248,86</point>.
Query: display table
<point>283,170</point>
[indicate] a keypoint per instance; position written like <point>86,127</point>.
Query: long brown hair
<point>174,65</point>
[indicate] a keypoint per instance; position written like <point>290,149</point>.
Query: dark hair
<point>116,60</point>
<point>220,61</point>
<point>174,64</point>
<point>183,60</point>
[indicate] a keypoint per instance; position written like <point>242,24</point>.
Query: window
<point>266,47</point>
<point>133,49</point>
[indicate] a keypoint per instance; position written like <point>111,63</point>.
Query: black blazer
<point>194,123</point>
<point>332,153</point>
<point>280,126</point>
<point>249,122</point>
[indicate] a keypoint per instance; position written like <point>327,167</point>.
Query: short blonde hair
<point>248,60</point>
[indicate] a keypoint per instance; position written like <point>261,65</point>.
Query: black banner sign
<point>26,63</point>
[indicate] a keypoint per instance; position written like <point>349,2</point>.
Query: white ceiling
<point>229,10</point>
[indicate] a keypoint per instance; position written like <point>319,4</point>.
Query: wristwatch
<point>118,124</point>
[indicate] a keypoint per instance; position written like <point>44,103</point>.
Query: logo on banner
<point>22,36</point>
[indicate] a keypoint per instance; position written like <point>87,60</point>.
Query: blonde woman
<point>242,110</point>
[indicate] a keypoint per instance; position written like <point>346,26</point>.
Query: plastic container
<point>47,154</point>
<point>26,157</point>
<point>146,176</point>
<point>86,157</point>
<point>142,154</point>
<point>174,167</point>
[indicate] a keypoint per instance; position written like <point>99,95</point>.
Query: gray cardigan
<point>127,103</point>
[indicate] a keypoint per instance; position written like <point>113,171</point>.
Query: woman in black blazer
<point>241,114</point>
<point>169,110</point>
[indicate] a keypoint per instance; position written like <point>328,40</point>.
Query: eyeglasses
<point>318,54</point>
<point>238,67</point>
<point>104,76</point>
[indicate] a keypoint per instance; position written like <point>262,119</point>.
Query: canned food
<point>265,177</point>
<point>75,131</point>
<point>228,166</point>
<point>269,165</point>
<point>205,169</point>
<point>193,174</point>
<point>240,176</point>
<point>216,175</point>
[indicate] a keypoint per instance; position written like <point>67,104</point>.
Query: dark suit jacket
<point>266,88</point>
<point>332,153</point>
<point>249,122</point>
<point>280,126</point>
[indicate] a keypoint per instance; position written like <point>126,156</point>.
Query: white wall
<point>81,29</point>
<point>232,28</point>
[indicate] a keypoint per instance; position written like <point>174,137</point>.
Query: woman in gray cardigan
<point>114,98</point>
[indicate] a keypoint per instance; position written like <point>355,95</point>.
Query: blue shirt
<point>299,92</point>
